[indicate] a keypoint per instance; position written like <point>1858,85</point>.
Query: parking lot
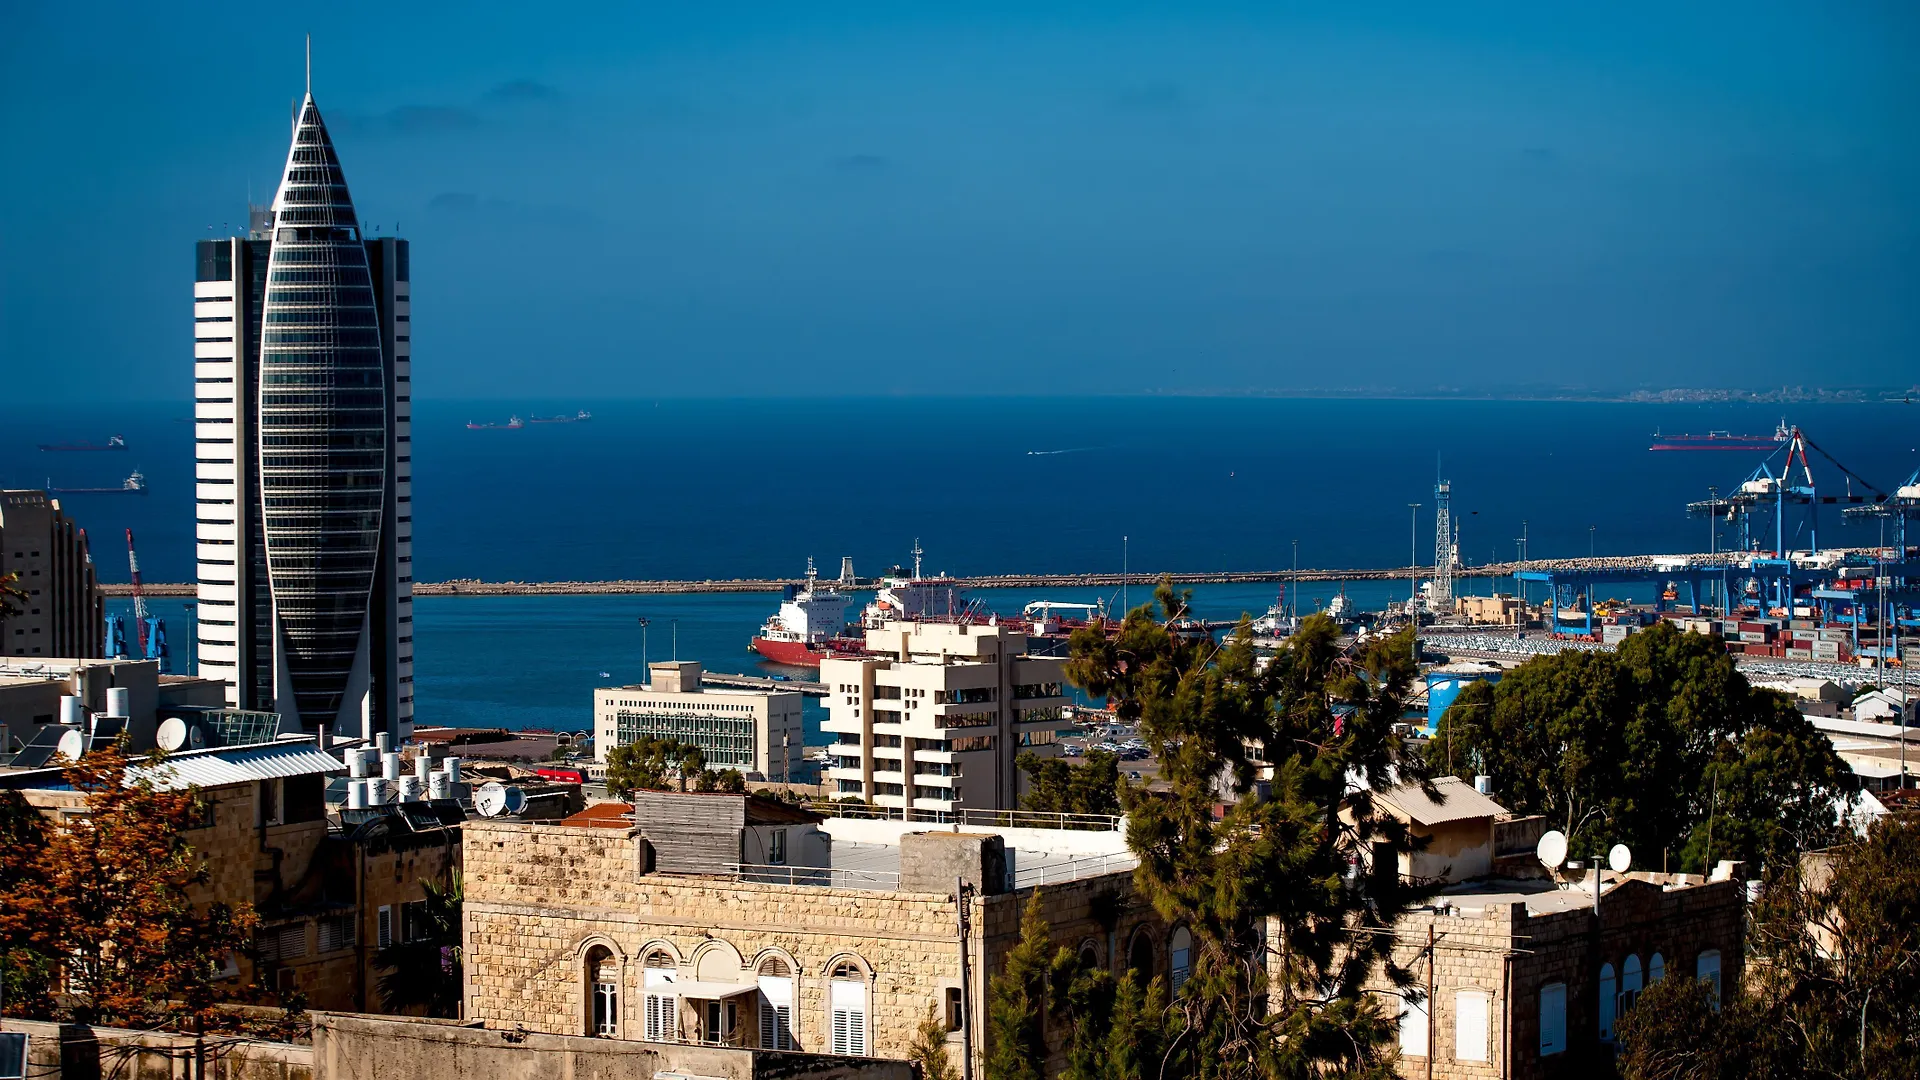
<point>1119,740</point>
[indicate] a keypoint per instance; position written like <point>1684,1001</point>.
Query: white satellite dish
<point>516,800</point>
<point>1552,849</point>
<point>72,745</point>
<point>1620,858</point>
<point>491,800</point>
<point>172,734</point>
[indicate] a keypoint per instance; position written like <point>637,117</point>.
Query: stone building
<point>1518,972</point>
<point>584,931</point>
<point>61,611</point>
<point>329,892</point>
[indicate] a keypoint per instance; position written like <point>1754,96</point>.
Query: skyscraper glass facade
<point>323,429</point>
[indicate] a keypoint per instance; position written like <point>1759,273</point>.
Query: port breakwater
<point>469,587</point>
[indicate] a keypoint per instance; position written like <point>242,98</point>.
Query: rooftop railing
<point>825,877</point>
<point>992,819</point>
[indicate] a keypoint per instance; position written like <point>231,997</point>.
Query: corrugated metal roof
<point>239,765</point>
<point>1460,802</point>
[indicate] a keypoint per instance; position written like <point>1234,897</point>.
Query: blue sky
<point>644,200</point>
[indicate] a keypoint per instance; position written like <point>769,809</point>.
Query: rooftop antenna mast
<point>1442,599</point>
<point>916,558</point>
<point>309,65</point>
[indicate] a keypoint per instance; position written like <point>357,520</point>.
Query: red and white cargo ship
<point>810,626</point>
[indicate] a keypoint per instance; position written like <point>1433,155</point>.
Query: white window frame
<point>1707,969</point>
<point>847,1021</point>
<point>662,1010</point>
<point>1415,1026</point>
<point>1472,1027</point>
<point>776,1012</point>
<point>1553,1019</point>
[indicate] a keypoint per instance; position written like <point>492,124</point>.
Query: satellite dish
<point>72,745</point>
<point>172,734</point>
<point>1552,849</point>
<point>1620,858</point>
<point>516,800</point>
<point>491,800</point>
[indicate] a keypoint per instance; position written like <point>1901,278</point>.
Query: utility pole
<point>1413,577</point>
<point>646,671</point>
<point>1293,595</point>
<point>1590,529</point>
<point>1123,578</point>
<point>1430,1046</point>
<point>962,895</point>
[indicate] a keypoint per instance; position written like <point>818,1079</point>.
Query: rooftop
<point>1457,802</point>
<point>212,767</point>
<point>1551,897</point>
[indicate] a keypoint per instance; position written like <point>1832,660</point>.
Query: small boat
<point>580,417</point>
<point>114,442</point>
<point>135,484</point>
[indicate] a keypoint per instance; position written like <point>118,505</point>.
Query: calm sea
<point>713,489</point>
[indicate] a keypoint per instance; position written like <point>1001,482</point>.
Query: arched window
<point>1630,983</point>
<point>1179,957</point>
<point>776,1004</point>
<point>1140,956</point>
<point>1656,969</point>
<point>658,971</point>
<point>1413,1026</point>
<point>1707,970</point>
<point>1553,1018</point>
<point>1609,998</point>
<point>847,1009</point>
<point>1090,954</point>
<point>603,981</point>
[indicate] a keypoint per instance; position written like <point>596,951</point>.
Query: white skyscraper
<point>303,450</point>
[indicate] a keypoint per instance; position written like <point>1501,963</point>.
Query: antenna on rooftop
<point>309,65</point>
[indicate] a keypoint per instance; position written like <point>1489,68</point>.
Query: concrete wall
<point>79,1052</point>
<point>353,1047</point>
<point>1457,851</point>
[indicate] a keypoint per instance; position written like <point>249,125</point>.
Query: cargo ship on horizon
<point>580,417</point>
<point>514,423</point>
<point>135,484</point>
<point>1723,440</point>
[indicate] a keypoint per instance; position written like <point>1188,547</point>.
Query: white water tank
<point>356,794</point>
<point>390,766</point>
<point>451,766</point>
<point>119,701</point>
<point>1483,784</point>
<point>71,715</point>
<point>380,742</point>
<point>422,765</point>
<point>410,789</point>
<point>439,787</point>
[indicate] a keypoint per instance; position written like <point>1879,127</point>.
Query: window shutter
<point>1413,1028</point>
<point>1553,1018</point>
<point>840,1036</point>
<point>1470,1025</point>
<point>769,1025</point>
<point>386,926</point>
<point>784,1037</point>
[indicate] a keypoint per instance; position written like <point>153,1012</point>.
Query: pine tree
<point>929,1049</point>
<point>1017,1003</point>
<point>1306,722</point>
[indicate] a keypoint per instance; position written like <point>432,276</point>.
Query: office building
<point>303,451</point>
<point>756,732</point>
<point>60,611</point>
<point>932,722</point>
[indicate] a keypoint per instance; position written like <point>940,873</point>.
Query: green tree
<point>423,971</point>
<point>650,764</point>
<point>26,973</point>
<point>1661,745</point>
<point>1283,858</point>
<point>1017,1003</point>
<point>928,1051</point>
<point>1058,787</point>
<point>1141,1032</point>
<point>1832,986</point>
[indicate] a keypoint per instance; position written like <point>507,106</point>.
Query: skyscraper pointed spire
<point>309,65</point>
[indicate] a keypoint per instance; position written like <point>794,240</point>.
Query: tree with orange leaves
<point>108,895</point>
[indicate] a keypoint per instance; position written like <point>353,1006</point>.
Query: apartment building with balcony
<point>931,723</point>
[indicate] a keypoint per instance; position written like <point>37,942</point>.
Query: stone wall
<point>540,898</point>
<point>1501,950</point>
<point>355,1047</point>
<point>79,1052</point>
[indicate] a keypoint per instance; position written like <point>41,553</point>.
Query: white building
<point>303,455</point>
<point>933,722</point>
<point>757,732</point>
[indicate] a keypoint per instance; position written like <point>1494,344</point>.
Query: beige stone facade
<point>551,911</point>
<point>1496,957</point>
